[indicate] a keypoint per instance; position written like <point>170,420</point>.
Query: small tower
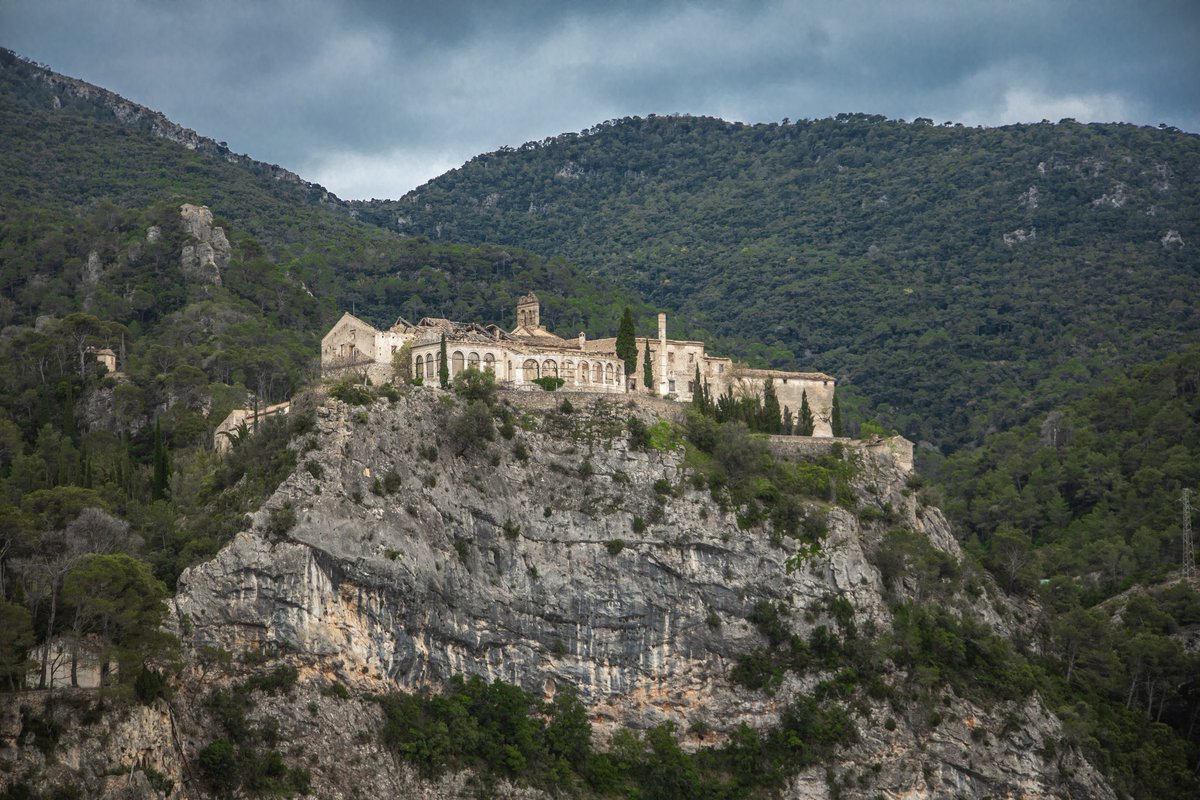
<point>529,312</point>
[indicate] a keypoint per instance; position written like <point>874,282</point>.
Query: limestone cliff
<point>207,253</point>
<point>562,557</point>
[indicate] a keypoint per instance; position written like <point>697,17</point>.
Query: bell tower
<point>529,312</point>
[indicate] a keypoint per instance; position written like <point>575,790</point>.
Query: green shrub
<point>149,685</point>
<point>336,690</point>
<point>473,384</point>
<point>315,469</point>
<point>281,520</point>
<point>472,428</point>
<point>639,433</point>
<point>639,525</point>
<point>351,393</point>
<point>392,481</point>
<point>615,546</point>
<point>549,383</point>
<point>511,529</point>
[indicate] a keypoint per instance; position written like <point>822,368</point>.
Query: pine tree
<point>835,420</point>
<point>443,366</point>
<point>627,342</point>
<point>771,415</point>
<point>647,369</point>
<point>804,422</point>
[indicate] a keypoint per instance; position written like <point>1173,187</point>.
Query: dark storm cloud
<point>371,98</point>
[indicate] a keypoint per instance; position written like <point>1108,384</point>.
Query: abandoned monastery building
<point>528,352</point>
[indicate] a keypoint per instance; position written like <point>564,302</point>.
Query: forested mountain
<point>91,256</point>
<point>1026,298</point>
<point>71,148</point>
<point>962,279</point>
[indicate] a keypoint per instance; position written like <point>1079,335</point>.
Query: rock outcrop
<point>207,255</point>
<point>397,556</point>
<point>538,571</point>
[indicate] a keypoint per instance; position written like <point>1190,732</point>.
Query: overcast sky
<point>371,99</point>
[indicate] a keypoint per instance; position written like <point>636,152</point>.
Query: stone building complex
<point>529,351</point>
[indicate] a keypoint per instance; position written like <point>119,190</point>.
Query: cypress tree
<point>788,422</point>
<point>85,467</point>
<point>836,418</point>
<point>159,487</point>
<point>647,369</point>
<point>771,415</point>
<point>68,421</point>
<point>627,342</point>
<point>699,399</point>
<point>804,422</point>
<point>443,366</point>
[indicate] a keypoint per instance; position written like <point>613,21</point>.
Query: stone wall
<point>643,404</point>
<point>895,449</point>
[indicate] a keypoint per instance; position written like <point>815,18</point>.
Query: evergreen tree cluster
<point>759,413</point>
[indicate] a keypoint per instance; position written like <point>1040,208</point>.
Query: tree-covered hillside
<point>962,279</point>
<point>71,148</point>
<point>91,245</point>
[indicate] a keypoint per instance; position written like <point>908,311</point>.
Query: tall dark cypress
<point>443,366</point>
<point>647,369</point>
<point>699,401</point>
<point>627,342</point>
<point>159,488</point>
<point>835,420</point>
<point>804,422</point>
<point>771,415</point>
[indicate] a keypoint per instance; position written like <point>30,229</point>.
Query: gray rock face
<point>529,571</point>
<point>207,256</point>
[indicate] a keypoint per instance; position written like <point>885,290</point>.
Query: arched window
<point>489,362</point>
<point>473,360</point>
<point>429,367</point>
<point>550,368</point>
<point>608,374</point>
<point>456,362</point>
<point>584,377</point>
<point>598,373</point>
<point>530,368</point>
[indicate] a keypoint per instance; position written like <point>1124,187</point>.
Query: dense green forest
<point>960,279</point>
<point>1080,511</point>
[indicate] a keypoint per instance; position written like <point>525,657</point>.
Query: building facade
<point>528,352</point>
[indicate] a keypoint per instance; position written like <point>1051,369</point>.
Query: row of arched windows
<point>595,372</point>
<point>428,367</point>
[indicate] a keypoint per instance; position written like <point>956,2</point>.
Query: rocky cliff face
<point>561,557</point>
<point>207,255</point>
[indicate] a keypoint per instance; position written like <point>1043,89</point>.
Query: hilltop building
<point>529,352</point>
